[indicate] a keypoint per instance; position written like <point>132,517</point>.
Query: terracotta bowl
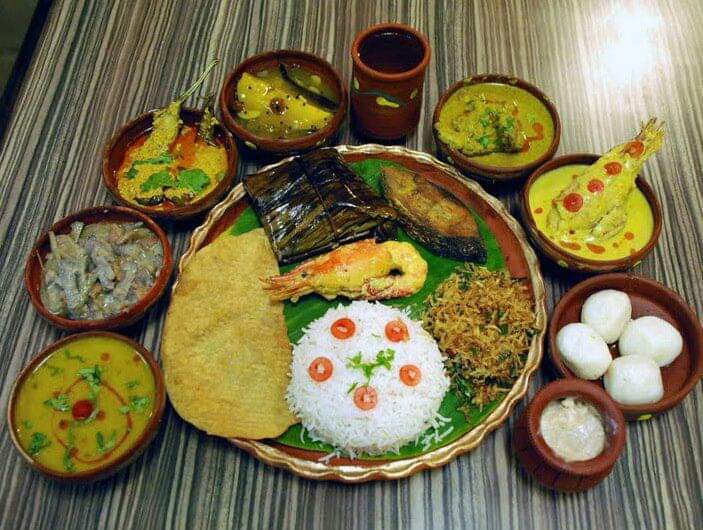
<point>116,148</point>
<point>576,263</point>
<point>268,146</point>
<point>648,297</point>
<point>541,462</point>
<point>130,455</point>
<point>33,268</point>
<point>471,166</point>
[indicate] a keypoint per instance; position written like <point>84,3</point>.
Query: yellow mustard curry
<point>173,164</point>
<point>633,236</point>
<point>85,405</point>
<point>597,211</point>
<point>498,124</point>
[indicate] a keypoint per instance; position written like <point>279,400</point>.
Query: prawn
<point>365,269</point>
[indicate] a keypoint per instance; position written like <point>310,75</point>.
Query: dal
<point>85,405</point>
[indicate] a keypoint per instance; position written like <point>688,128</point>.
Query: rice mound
<point>327,408</point>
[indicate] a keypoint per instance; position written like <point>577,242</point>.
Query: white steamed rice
<point>402,413</point>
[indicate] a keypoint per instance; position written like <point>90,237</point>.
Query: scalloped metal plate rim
<point>267,451</point>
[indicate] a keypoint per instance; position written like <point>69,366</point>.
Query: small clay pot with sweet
<point>389,64</point>
<point>543,464</point>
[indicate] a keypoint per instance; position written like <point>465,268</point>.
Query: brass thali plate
<point>520,260</point>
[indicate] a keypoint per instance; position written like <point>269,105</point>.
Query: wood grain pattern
<point>100,63</point>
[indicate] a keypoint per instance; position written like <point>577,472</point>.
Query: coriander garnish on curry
<point>174,164</point>
<point>84,405</point>
<point>500,125</point>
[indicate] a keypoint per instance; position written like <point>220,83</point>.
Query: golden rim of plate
<point>395,469</point>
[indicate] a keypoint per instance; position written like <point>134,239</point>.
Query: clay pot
<point>647,297</point>
<point>385,98</point>
<point>97,214</point>
<point>570,261</point>
<point>116,149</point>
<point>273,147</point>
<point>131,454</point>
<point>541,462</point>
<point>473,166</point>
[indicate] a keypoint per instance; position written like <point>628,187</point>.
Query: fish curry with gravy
<point>499,124</point>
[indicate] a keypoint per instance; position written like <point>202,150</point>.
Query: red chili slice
<point>365,397</point>
<point>573,202</point>
<point>397,331</point>
<point>82,409</point>
<point>613,168</point>
<point>410,374</point>
<point>320,369</point>
<point>635,148</point>
<point>595,186</point>
<point>343,328</point>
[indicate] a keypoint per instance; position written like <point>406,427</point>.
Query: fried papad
<point>225,351</point>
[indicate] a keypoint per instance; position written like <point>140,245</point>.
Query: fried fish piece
<point>432,216</point>
<point>225,348</point>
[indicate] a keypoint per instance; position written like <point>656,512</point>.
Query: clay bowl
<point>117,147</point>
<point>648,297</point>
<point>125,459</point>
<point>269,146</point>
<point>541,462</point>
<point>576,263</point>
<point>471,166</point>
<point>33,268</point>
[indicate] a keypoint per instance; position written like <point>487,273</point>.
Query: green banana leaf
<point>299,315</point>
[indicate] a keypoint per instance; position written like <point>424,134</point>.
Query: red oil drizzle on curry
<point>63,424</point>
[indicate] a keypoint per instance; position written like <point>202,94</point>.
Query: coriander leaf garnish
<point>163,158</point>
<point>92,376</point>
<point>195,179</point>
<point>67,455</point>
<point>352,387</point>
<point>38,442</point>
<point>383,359</point>
<point>136,404</point>
<point>59,402</point>
<point>55,370</point>
<point>131,384</point>
<point>27,424</point>
<point>160,179</point>
<point>67,353</point>
<point>105,445</point>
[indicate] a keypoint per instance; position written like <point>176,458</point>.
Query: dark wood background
<point>607,66</point>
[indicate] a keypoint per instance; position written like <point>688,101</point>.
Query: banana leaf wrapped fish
<point>314,203</point>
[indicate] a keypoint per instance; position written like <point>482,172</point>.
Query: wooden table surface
<point>607,67</point>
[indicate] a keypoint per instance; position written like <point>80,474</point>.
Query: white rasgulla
<point>608,312</point>
<point>634,380</point>
<point>583,350</point>
<point>653,337</point>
